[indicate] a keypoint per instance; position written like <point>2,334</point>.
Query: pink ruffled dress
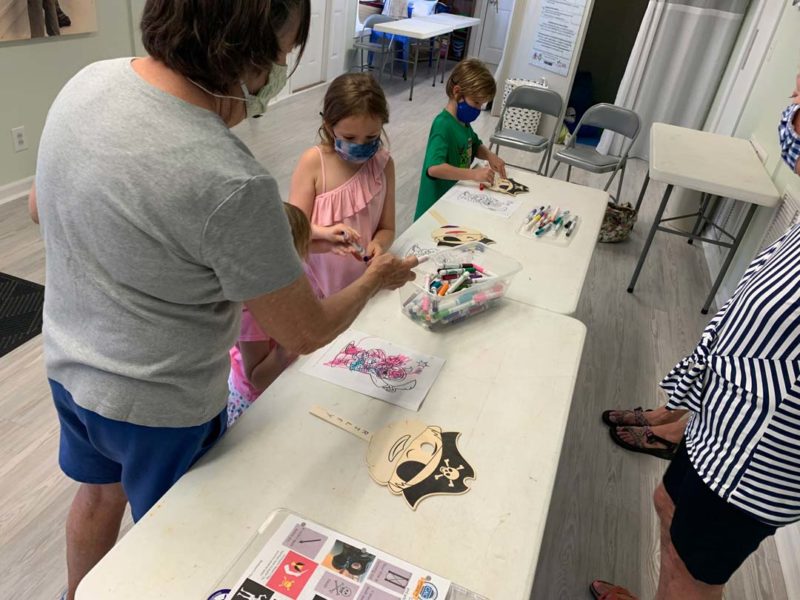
<point>358,203</point>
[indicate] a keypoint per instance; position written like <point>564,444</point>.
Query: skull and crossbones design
<point>449,472</point>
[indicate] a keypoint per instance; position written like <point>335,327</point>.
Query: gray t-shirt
<point>157,223</point>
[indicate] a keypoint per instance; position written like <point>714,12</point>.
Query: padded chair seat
<point>520,140</point>
<point>587,158</point>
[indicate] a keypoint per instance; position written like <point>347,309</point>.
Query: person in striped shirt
<point>736,475</point>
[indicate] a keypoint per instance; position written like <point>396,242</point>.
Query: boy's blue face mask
<point>466,113</point>
<point>789,138</point>
<point>356,153</point>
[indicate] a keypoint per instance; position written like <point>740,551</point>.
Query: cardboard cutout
<point>411,458</point>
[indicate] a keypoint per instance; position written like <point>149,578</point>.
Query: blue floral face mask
<point>356,153</point>
<point>788,137</point>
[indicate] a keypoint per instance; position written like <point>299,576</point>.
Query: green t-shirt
<point>451,142</point>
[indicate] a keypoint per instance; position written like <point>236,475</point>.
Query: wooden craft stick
<point>337,421</point>
<point>438,217</point>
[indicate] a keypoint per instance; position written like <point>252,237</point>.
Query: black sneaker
<point>63,19</point>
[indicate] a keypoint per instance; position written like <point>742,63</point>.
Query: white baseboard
<point>787,539</point>
<point>15,190</point>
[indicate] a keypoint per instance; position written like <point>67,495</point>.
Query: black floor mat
<point>21,305</point>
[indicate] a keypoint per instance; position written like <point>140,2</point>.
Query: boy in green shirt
<point>452,144</point>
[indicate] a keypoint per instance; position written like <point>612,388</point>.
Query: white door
<point>309,71</point>
<point>337,35</point>
<point>496,18</point>
<point>749,61</point>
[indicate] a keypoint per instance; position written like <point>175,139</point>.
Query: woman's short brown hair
<point>349,95</point>
<point>216,42</point>
<point>301,229</point>
<point>474,80</point>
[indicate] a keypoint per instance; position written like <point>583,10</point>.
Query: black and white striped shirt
<point>742,384</point>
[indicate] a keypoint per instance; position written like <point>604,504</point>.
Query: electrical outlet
<point>18,138</point>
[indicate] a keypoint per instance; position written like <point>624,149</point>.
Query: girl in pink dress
<point>345,185</point>
<point>257,360</point>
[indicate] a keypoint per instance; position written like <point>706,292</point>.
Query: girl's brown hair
<point>301,229</point>
<point>352,94</point>
<point>215,42</point>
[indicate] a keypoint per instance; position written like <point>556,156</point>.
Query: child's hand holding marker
<point>356,249</point>
<point>339,236</point>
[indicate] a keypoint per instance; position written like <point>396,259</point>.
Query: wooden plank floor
<point>601,522</point>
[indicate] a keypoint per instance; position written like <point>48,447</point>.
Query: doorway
<point>310,70</point>
<point>495,17</point>
<point>610,37</point>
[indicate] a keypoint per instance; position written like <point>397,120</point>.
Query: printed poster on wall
<point>554,42</point>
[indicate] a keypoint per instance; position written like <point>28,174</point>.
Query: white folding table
<point>552,275</point>
<point>716,165</point>
<point>417,29</point>
<point>506,386</point>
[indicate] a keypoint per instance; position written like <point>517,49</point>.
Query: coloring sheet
<point>495,203</point>
<point>377,368</point>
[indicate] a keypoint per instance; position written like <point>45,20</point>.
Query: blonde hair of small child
<point>351,95</point>
<point>301,228</point>
<point>475,81</point>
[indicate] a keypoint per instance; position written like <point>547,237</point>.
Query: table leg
<point>644,189</point>
<point>650,236</point>
<point>414,72</point>
<point>438,59</point>
<point>700,216</point>
<point>729,258</point>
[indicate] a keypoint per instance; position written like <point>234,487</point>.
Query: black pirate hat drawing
<point>447,478</point>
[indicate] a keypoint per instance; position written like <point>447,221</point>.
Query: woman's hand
<point>392,272</point>
<point>374,249</point>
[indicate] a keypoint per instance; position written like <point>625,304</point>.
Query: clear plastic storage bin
<point>489,281</point>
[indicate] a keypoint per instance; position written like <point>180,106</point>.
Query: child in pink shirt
<point>256,359</point>
<point>345,186</point>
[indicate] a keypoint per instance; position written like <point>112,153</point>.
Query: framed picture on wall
<point>30,19</point>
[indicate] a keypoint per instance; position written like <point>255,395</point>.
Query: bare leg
<point>674,581</point>
<point>670,431</point>
<point>92,528</point>
<point>51,17</point>
<point>36,18</point>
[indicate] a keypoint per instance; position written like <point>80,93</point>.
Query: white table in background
<point>716,165</point>
<point>507,386</point>
<point>419,30</point>
<point>552,275</point>
<point>456,22</point>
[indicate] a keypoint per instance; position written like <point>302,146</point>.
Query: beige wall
<point>33,72</point>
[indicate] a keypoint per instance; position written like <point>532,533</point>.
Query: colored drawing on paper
<point>419,251</point>
<point>252,590</point>
<point>388,372</point>
<point>377,368</point>
<point>292,575</point>
<point>305,541</point>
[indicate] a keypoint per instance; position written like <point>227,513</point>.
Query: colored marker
<point>573,223</point>
<point>458,283</point>
<point>443,290</point>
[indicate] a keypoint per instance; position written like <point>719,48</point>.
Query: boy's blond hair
<point>474,79</point>
<point>301,228</point>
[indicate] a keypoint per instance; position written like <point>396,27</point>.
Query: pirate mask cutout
<point>508,186</point>
<point>455,235</point>
<point>417,460</point>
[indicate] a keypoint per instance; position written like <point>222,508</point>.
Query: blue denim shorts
<point>146,460</point>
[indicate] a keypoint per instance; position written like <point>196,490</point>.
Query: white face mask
<point>256,104</point>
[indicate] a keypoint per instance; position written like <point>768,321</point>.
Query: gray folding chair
<point>605,116</point>
<point>380,49</point>
<point>529,97</point>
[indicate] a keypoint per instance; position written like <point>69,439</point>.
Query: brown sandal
<point>603,590</point>
<point>639,419</point>
<point>646,435</point>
